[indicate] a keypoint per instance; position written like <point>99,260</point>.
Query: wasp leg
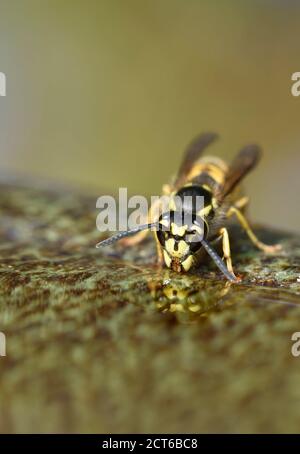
<point>167,189</point>
<point>242,203</point>
<point>160,257</point>
<point>226,249</point>
<point>268,249</point>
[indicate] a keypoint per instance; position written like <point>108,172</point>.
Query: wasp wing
<point>192,154</point>
<point>243,163</point>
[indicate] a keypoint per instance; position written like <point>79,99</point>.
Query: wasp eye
<point>162,236</point>
<point>193,239</point>
<point>195,245</point>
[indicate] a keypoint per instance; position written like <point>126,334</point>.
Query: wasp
<point>180,245</point>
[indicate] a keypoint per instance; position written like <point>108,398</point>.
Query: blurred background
<point>106,94</point>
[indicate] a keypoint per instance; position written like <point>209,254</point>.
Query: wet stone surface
<point>103,341</point>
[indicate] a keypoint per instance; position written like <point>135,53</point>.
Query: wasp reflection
<point>186,295</point>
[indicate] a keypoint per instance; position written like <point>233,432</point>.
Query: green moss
<point>103,341</point>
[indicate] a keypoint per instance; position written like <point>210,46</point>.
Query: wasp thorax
<point>180,235</point>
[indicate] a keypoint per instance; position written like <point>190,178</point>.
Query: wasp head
<point>180,235</point>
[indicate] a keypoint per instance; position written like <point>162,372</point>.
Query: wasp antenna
<point>218,261</point>
<point>120,235</point>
